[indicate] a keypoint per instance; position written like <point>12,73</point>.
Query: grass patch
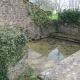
<point>55,16</point>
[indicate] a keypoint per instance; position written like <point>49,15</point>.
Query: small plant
<point>22,78</point>
<point>24,1</point>
<point>54,78</point>
<point>32,76</point>
<point>57,29</point>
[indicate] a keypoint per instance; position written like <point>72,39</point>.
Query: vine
<point>39,16</point>
<point>12,48</point>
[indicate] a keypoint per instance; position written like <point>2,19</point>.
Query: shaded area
<point>67,37</point>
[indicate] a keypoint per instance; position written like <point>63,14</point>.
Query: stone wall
<point>72,29</point>
<point>13,13</point>
<point>19,70</point>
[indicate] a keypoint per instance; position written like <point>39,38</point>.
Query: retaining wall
<point>72,29</point>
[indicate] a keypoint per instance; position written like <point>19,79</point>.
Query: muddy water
<point>45,46</point>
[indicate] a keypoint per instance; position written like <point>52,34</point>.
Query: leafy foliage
<point>49,13</point>
<point>39,16</point>
<point>69,16</point>
<point>41,20</point>
<point>12,48</point>
<point>32,76</point>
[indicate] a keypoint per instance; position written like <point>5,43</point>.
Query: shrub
<point>69,16</point>
<point>49,13</point>
<point>41,20</point>
<point>12,48</point>
<point>39,16</point>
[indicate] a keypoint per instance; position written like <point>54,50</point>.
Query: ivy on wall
<point>12,49</point>
<point>40,17</point>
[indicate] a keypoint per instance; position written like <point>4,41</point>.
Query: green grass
<point>55,16</point>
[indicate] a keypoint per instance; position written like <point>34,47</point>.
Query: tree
<point>74,4</point>
<point>43,4</point>
<point>59,5</point>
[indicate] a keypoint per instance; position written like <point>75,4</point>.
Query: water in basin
<point>54,49</point>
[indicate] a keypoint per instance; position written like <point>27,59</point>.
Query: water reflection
<point>56,55</point>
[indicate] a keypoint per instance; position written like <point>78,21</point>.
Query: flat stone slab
<point>68,69</point>
<point>39,62</point>
<point>33,55</point>
<point>66,37</point>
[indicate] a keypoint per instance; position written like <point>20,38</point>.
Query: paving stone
<point>38,62</point>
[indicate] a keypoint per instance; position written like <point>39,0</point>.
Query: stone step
<point>39,62</point>
<point>66,37</point>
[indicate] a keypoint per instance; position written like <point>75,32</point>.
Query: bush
<point>40,17</point>
<point>41,20</point>
<point>49,13</point>
<point>12,48</point>
<point>69,16</point>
